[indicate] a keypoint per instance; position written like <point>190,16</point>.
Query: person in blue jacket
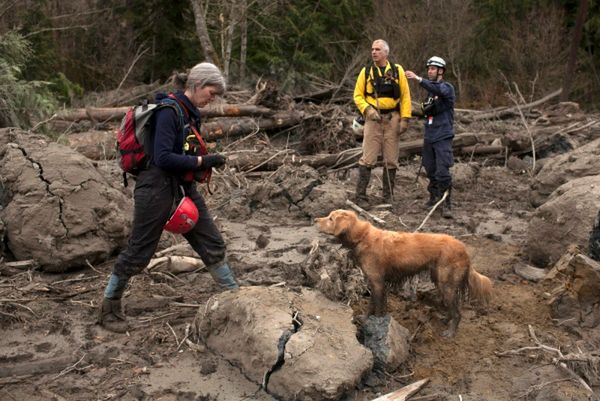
<point>158,187</point>
<point>438,111</point>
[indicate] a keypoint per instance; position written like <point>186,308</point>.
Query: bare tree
<point>202,32</point>
<point>577,32</point>
<point>243,39</point>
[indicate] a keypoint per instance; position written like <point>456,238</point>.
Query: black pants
<point>437,160</point>
<point>154,196</point>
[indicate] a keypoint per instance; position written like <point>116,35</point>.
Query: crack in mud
<point>40,169</point>
<point>285,337</point>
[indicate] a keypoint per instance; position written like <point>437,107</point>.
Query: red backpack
<point>134,133</point>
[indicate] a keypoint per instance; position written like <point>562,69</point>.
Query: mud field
<point>51,348</point>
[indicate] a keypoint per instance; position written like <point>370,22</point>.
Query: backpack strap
<point>369,68</point>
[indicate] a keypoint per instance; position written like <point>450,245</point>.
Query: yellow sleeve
<point>405,105</point>
<point>359,92</point>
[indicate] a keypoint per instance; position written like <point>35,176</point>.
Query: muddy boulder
<point>57,207</point>
<point>299,345</point>
<point>566,218</point>
<point>582,162</point>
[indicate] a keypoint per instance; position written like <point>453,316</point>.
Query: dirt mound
<point>57,208</point>
<point>566,218</point>
<point>581,162</point>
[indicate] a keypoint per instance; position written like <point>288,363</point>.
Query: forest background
<point>54,52</point>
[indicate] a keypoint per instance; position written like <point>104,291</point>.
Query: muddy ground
<point>51,317</point>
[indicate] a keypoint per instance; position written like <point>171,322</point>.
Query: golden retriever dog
<point>389,257</point>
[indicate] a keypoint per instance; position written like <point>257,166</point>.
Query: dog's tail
<point>480,286</point>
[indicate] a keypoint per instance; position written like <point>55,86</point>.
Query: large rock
<point>57,208</point>
<point>582,162</point>
<point>389,342</point>
<point>566,218</point>
<point>322,360</point>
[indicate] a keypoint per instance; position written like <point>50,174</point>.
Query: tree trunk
<point>235,127</point>
<point>202,32</point>
<point>243,40</point>
<point>577,32</point>
<point>116,113</point>
<point>229,40</point>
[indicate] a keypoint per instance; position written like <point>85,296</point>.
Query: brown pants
<point>381,137</point>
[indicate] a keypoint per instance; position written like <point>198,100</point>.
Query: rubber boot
<point>447,205</point>
<point>111,316</point>
<point>389,179</point>
<point>434,196</point>
<point>222,274</point>
<point>364,176</point>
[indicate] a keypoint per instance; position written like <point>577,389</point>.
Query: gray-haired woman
<point>171,170</point>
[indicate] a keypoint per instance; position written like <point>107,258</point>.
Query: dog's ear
<point>342,221</point>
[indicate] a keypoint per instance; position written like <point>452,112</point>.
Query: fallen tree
<point>116,113</point>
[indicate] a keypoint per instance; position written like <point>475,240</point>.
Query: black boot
<point>389,179</point>
<point>434,196</point>
<point>364,176</point>
<point>111,316</point>
<point>447,205</point>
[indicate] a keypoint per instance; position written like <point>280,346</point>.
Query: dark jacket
<point>439,123</point>
<point>168,139</point>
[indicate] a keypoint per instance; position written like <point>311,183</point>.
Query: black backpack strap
<point>368,69</point>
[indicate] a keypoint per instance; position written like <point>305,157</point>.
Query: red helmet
<point>184,217</point>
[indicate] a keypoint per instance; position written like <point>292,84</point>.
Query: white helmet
<point>357,124</point>
<point>436,62</point>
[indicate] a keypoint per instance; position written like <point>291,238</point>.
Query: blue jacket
<point>439,125</point>
<point>168,138</point>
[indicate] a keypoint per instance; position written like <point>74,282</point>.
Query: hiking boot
<point>364,176</point>
<point>389,179</point>
<point>447,206</point>
<point>111,316</point>
<point>432,200</point>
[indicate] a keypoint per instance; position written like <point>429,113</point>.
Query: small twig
<point>87,262</point>
<point>266,161</point>
<point>138,55</point>
<point>432,210</point>
<point>183,305</point>
<point>69,369</point>
<point>73,280</point>
<point>363,211</point>
<point>186,334</point>
<point>174,335</point>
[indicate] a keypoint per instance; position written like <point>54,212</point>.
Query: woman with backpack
<point>166,190</point>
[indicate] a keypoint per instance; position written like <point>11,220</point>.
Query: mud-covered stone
<point>581,162</point>
<point>566,218</point>
<point>322,359</point>
<point>388,340</point>
<point>61,210</point>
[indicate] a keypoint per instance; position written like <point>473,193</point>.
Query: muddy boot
<point>433,194</point>
<point>111,316</point>
<point>222,274</point>
<point>364,176</point>
<point>447,206</point>
<point>389,179</point>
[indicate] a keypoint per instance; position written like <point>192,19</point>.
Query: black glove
<point>213,160</point>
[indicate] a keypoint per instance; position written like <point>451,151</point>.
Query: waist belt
<point>387,111</point>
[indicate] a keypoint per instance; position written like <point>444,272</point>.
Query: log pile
<point>494,133</point>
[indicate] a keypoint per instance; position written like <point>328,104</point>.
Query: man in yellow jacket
<point>383,97</point>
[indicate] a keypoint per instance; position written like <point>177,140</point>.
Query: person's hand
<point>403,126</point>
<point>215,160</point>
<point>412,75</point>
<point>372,114</point>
